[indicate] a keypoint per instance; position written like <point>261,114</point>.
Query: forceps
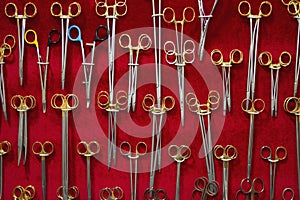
<point>140,150</point>
<point>88,150</point>
<point>104,102</point>
<point>43,66</point>
<point>251,187</point>
<point>235,57</point>
<point>158,194</point>
<point>115,193</point>
<point>286,191</point>
<point>225,154</point>
<point>182,51</point>
<point>179,154</point>
<point>256,107</point>
<point>72,193</point>
<point>204,19</point>
<point>205,110</point>
<point>5,147</point>
<point>11,11</point>
<point>144,43</point>
<point>22,104</point>
<point>205,188</point>
<point>65,19</point>
<point>43,150</point>
<point>5,51</point>
<point>253,40</point>
<point>274,69</point>
<point>266,154</point>
<point>87,66</point>
<point>65,103</point>
<point>21,193</point>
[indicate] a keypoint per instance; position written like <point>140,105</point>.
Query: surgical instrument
<point>21,193</point>
<point>158,194</point>
<point>5,147</point>
<point>115,193</point>
<point>287,191</point>
<point>205,187</point>
<point>251,188</point>
<point>72,192</point>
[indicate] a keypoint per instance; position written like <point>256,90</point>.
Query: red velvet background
<point>227,30</point>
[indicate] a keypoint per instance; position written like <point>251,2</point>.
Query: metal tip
<point>88,103</point>
<point>5,117</point>
<point>21,81</point>
<point>44,107</point>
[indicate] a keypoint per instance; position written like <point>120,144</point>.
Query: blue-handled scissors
<point>205,187</point>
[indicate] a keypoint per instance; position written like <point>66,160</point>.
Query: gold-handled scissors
<point>5,51</point>
<point>235,57</point>
<point>265,10</point>
<point>179,154</point>
<point>266,154</point>
<point>288,194</point>
<point>115,193</point>
<point>265,59</point>
<point>225,154</point>
<point>65,103</point>
<point>203,110</point>
<point>158,194</point>
<point>43,150</point>
<point>250,188</point>
<point>74,10</point>
<point>22,104</point>
<point>30,11</point>
<point>252,107</point>
<point>204,188</point>
<point>21,193</point>
<point>144,43</point>
<point>5,147</point>
<point>87,150</point>
<point>72,193</point>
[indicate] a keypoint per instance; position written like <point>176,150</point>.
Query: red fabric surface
<point>227,30</point>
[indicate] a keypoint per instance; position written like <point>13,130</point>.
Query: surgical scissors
<point>246,12</point>
<point>183,52</point>
<point>5,51</point>
<point>225,154</point>
<point>115,193</point>
<point>286,191</point>
<point>22,104</point>
<point>158,194</point>
<point>43,66</point>
<point>64,31</point>
<point>235,57</point>
<point>284,60</point>
<point>104,102</point>
<point>205,110</point>
<point>204,19</point>
<point>11,11</point>
<point>205,187</point>
<point>266,154</point>
<point>87,66</point>
<point>251,187</point>
<point>256,107</point>
<point>21,193</point>
<point>140,150</point>
<point>43,150</point>
<point>179,154</point>
<point>65,103</point>
<point>87,150</point>
<point>5,147</point>
<point>144,43</point>
<point>72,192</point>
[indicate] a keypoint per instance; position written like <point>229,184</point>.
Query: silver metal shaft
<point>1,176</point>
<point>44,186</point>
<point>177,197</point>
<point>250,145</point>
<point>88,174</point>
<point>65,154</point>
<point>225,179</point>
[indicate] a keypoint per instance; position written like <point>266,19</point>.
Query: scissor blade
<point>20,136</point>
<point>25,137</point>
<point>65,154</point>
<point>250,145</point>
<point>180,73</point>
<point>88,173</point>
<point>44,177</point>
<point>225,179</point>
<point>177,197</point>
<point>2,90</point>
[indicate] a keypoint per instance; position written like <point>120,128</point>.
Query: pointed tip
<point>5,117</point>
<point>87,103</point>
<point>44,108</point>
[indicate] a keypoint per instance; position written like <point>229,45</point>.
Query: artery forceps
<point>21,193</point>
<point>244,9</point>
<point>204,19</point>
<point>43,66</point>
<point>235,57</point>
<point>205,110</point>
<point>158,194</point>
<point>11,11</point>
<point>88,150</point>
<point>140,150</point>
<point>205,188</point>
<point>225,154</point>
<point>72,193</point>
<point>65,19</point>
<point>251,188</point>
<point>179,154</point>
<point>87,66</point>
<point>115,193</point>
<point>5,51</point>
<point>22,104</point>
<point>256,107</point>
<point>274,78</point>
<point>286,192</point>
<point>65,103</point>
<point>183,52</point>
<point>266,154</point>
<point>43,150</point>
<point>144,43</point>
<point>5,147</point>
